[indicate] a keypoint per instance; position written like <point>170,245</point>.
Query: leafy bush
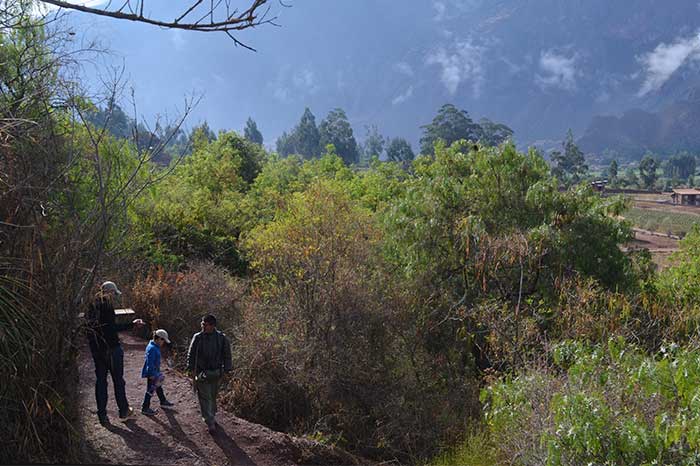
<point>177,301</point>
<point>681,282</point>
<point>601,404</point>
<point>327,347</point>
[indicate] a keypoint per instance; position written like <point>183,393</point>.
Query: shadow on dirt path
<point>177,435</point>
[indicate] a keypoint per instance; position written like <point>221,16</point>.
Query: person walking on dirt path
<point>208,358</point>
<point>106,350</point>
<point>151,372</point>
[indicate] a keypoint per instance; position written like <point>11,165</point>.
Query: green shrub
<point>476,450</point>
<point>603,404</point>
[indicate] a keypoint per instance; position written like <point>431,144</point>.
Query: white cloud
<point>304,79</point>
<point>404,68</point>
<point>461,63</point>
<point>281,94</point>
<point>401,98</point>
<point>440,11</point>
<point>660,64</point>
<point>450,9</point>
<point>289,84</point>
<point>559,71</point>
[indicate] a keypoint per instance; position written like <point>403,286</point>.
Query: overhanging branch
<point>198,16</point>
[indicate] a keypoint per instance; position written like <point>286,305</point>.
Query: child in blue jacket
<point>151,371</point>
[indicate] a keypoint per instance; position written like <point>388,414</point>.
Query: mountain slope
<point>540,66</point>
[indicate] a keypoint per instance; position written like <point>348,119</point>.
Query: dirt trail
<point>660,246</point>
<point>178,436</point>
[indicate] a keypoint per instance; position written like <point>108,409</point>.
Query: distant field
<point>662,221</point>
<point>650,197</point>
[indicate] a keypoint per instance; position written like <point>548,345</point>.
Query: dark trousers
<point>111,361</point>
<point>152,387</point>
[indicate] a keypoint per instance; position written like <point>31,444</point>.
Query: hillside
<point>672,129</point>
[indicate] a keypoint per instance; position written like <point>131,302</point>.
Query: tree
<point>251,132</point>
<point>201,135</point>
<point>374,143</point>
<point>195,213</point>
<point>195,16</point>
<point>449,125</point>
<point>612,171</point>
<point>647,171</point>
<point>494,134</point>
<point>113,118</point>
<point>335,129</point>
<point>285,144</point>
<point>303,140</point>
<point>570,164</point>
<point>680,166</point>
<point>65,200</point>
<point>306,136</point>
<point>631,178</point>
<point>399,150</point>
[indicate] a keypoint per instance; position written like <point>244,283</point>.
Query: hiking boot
<point>211,427</point>
<point>149,411</point>
<point>104,420</point>
<point>124,416</point>
<point>167,404</point>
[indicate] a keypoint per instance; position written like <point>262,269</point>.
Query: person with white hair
<point>106,350</point>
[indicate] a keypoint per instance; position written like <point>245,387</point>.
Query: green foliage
<point>680,283</point>
<point>113,119</point>
<point>374,144</point>
<point>462,196</point>
<point>399,150</point>
<point>570,164</point>
<point>612,171</point>
<point>631,179</point>
<point>315,261</point>
<point>195,213</point>
<point>675,223</point>
<point>647,171</point>
<point>449,125</point>
<point>251,132</point>
<point>335,129</point>
<point>680,166</point>
<point>475,450</point>
<point>494,134</point>
<point>613,405</point>
<point>201,135</point>
<point>304,140</point>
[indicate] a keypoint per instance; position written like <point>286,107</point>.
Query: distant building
<point>599,185</point>
<point>686,196</point>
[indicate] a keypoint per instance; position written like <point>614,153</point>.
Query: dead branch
<point>217,16</point>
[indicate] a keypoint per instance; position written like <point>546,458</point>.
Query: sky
<point>311,59</point>
<point>540,66</point>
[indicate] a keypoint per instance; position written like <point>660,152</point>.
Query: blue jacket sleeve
<point>151,365</point>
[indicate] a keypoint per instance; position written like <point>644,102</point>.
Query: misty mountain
<point>539,66</point>
<point>671,130</point>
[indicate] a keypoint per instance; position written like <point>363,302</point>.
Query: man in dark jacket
<point>208,358</point>
<point>106,350</point>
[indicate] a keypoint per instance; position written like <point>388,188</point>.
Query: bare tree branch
<point>221,17</point>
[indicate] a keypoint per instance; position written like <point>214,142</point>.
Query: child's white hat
<point>163,334</point>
